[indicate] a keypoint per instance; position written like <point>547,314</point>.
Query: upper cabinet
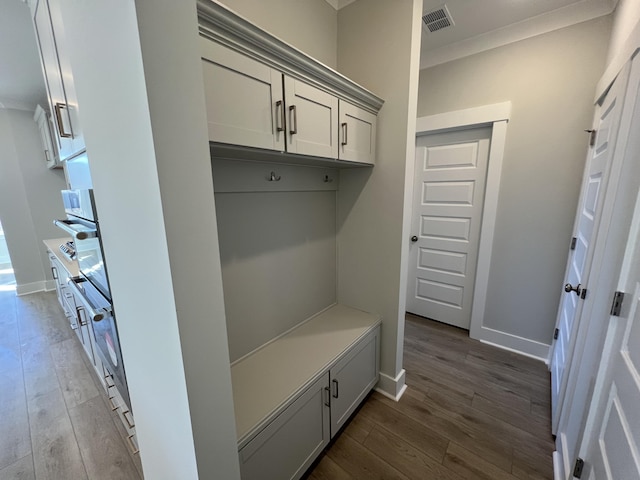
<point>263,93</point>
<point>58,79</point>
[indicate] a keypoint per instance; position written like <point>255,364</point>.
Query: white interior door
<point>590,205</point>
<point>610,446</point>
<point>450,177</point>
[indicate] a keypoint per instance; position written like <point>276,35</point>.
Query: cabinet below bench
<point>295,393</point>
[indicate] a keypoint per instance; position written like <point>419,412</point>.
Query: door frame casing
<point>496,116</point>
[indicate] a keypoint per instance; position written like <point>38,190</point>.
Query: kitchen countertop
<point>53,245</point>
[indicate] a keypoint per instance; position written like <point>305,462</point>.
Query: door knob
<point>414,239</point>
<point>570,288</point>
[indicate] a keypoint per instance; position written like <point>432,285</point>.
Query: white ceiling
<point>479,25</point>
<point>21,81</point>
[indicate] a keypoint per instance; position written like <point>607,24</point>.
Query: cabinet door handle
<point>327,403</point>
<point>46,156</point>
<point>57,109</point>
<point>279,116</point>
<point>344,133</point>
<point>337,394</point>
<point>54,273</point>
<point>293,116</point>
<point>80,315</point>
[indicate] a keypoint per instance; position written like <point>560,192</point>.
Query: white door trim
<point>497,116</point>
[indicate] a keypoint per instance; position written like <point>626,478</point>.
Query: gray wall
<point>278,254</point>
<point>378,47</point>
<point>550,80</point>
<point>310,25</point>
<point>29,198</point>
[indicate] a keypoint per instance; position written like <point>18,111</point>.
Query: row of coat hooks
<point>276,178</point>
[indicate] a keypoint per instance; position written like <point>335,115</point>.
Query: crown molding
<point>338,4</point>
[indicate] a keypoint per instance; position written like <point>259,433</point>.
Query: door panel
<point>358,131</point>
<point>449,185</point>
<point>607,120</point>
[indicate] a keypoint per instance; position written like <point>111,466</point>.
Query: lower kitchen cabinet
<point>318,374</point>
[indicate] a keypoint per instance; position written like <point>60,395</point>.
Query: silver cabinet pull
<point>294,122</point>
<point>344,133</point>
<point>57,109</point>
<point>279,116</point>
<point>327,403</point>
<point>337,394</point>
<point>54,273</point>
<point>80,316</point>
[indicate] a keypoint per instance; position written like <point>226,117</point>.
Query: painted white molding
<point>16,105</point>
<point>49,285</point>
<point>547,22</point>
<point>627,52</point>
<point>476,116</point>
<point>391,387</point>
<point>557,474</point>
<point>513,343</point>
<point>497,115</point>
<point>27,288</point>
<point>338,4</point>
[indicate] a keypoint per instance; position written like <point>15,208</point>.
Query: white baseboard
<point>515,344</point>
<point>556,466</point>
<point>27,288</point>
<point>49,285</point>
<point>390,387</point>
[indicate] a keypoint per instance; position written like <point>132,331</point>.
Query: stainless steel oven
<point>92,286</point>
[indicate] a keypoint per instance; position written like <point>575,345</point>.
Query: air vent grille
<point>437,19</point>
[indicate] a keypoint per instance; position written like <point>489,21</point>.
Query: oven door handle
<point>77,234</point>
<point>95,314</point>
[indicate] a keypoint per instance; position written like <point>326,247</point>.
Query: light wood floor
<point>54,419</point>
<point>470,411</point>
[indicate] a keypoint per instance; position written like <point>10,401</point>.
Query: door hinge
<point>583,293</point>
<point>574,240</point>
<point>592,137</point>
<point>577,469</point>
<point>556,332</point>
<point>616,306</point>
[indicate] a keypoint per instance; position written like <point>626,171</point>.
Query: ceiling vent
<point>437,19</point>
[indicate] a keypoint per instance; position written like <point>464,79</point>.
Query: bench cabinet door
<point>289,445</point>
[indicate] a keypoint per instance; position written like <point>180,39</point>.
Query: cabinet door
<point>75,127</point>
<point>352,378</point>
<point>84,333</point>
<point>312,126</point>
<point>53,78</point>
<point>286,448</point>
<point>243,99</point>
<point>43,120</point>
<point>357,134</point>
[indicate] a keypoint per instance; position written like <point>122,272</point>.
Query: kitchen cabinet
<point>58,78</point>
<point>294,394</point>
<point>45,127</point>
<point>255,101</point>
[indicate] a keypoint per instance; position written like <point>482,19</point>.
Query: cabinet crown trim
<point>218,23</point>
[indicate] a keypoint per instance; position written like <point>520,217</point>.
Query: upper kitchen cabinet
<point>263,93</point>
<point>58,79</point>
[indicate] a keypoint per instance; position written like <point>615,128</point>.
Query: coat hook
<point>327,179</point>
<point>273,178</point>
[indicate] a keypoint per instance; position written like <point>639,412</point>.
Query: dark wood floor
<point>470,411</point>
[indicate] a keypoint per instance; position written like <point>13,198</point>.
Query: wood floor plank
<point>73,375</point>
<point>419,436</point>
<point>15,439</point>
<point>471,466</point>
<point>359,462</point>
<point>55,450</point>
<point>404,457</point>
<point>359,428</point>
<point>532,423</point>
<point>103,453</point>
<point>327,469</point>
<point>19,470</point>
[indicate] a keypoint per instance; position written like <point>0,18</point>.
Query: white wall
<point>378,47</point>
<point>138,77</point>
<point>29,198</point>
<point>550,80</point>
<point>309,25</point>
